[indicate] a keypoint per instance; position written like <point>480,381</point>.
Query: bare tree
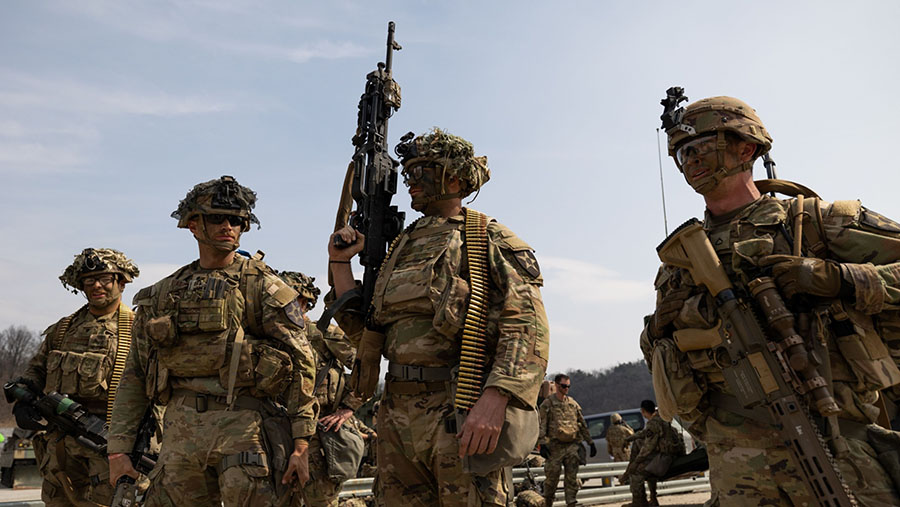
<point>17,345</point>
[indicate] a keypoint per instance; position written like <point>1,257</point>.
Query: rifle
<point>776,374</point>
<point>371,181</point>
<point>69,416</point>
<point>141,459</point>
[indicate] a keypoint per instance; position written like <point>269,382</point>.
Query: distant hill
<point>622,386</point>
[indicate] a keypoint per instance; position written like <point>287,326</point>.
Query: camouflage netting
<point>92,261</point>
<point>224,195</point>
<point>304,285</point>
<point>455,155</point>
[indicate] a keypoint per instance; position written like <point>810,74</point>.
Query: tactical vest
<point>199,319</point>
<point>859,357</point>
<point>80,359</point>
<point>563,423</point>
<point>423,279</point>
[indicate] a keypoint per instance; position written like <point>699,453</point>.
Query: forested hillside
<point>622,386</point>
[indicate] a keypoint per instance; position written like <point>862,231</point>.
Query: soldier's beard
<point>112,295</point>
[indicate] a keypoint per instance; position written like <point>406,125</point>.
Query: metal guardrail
<point>588,495</point>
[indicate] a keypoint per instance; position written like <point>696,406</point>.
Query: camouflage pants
<point>320,491</point>
<point>418,462</point>
<point>755,476</point>
<point>194,443</point>
<point>621,453</point>
<point>636,485</point>
<point>562,454</point>
<point>68,467</point>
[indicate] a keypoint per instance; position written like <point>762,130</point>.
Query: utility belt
<point>275,427</point>
<point>407,379</point>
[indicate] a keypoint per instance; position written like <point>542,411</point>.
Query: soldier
<point>220,340</point>
<point>562,430</point>
<point>657,438</point>
<point>847,274</point>
<point>76,358</point>
<point>420,306</point>
<point>336,406</point>
<point>616,445</point>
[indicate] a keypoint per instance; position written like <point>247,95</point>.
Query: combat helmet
<point>452,155</point>
<point>615,418</point>
<point>222,196</point>
<point>713,116</point>
<point>96,261</point>
<point>304,285</point>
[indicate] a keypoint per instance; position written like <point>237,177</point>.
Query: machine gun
<point>371,180</point>
<point>774,373</point>
<point>60,411</point>
<point>141,459</point>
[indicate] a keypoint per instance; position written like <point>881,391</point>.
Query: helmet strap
<point>224,246</point>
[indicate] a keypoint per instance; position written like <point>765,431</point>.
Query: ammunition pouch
<point>863,349</point>
<point>81,374</point>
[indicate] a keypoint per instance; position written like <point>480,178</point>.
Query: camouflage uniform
<point>333,352</point>
<point>420,303</point>
<point>562,430</point>
<point>616,445</point>
<point>76,358</point>
<point>657,437</point>
<point>190,325</point>
<point>748,462</point>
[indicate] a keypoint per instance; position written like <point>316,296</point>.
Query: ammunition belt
<point>123,346</point>
<point>473,349</point>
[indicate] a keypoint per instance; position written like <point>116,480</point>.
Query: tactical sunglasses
<point>218,218</point>
<point>563,386</point>
<point>696,148</point>
<point>413,175</point>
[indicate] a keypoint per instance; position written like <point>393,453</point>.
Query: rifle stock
<point>763,372</point>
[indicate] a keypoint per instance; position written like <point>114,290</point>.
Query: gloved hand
<point>593,450</point>
<point>667,310</point>
<point>27,417</point>
<point>805,275</point>
<point>545,452</point>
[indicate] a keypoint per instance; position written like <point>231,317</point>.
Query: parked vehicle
<point>598,424</point>
<point>18,466</point>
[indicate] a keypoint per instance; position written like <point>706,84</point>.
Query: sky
<point>110,111</point>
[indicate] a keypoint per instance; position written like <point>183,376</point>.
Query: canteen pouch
<point>343,450</point>
<point>517,439</point>
<point>677,393</point>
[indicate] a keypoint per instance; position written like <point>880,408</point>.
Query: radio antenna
<point>662,185</point>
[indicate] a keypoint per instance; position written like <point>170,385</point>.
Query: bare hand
<point>298,464</point>
<point>334,421</point>
<point>352,237</point>
<point>119,465</point>
<point>481,431</point>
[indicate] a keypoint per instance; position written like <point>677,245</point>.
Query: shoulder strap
<point>123,346</point>
<point>61,330</point>
<point>473,350</point>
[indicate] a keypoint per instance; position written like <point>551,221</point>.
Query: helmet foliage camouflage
<point>453,154</point>
<point>95,261</point>
<point>304,285</point>
<point>224,195</point>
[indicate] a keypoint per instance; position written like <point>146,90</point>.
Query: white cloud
<point>30,92</point>
<point>590,283</point>
<point>17,156</point>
